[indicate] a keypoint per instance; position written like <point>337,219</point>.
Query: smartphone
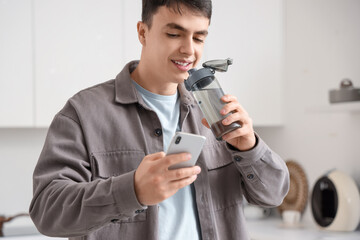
<point>186,142</point>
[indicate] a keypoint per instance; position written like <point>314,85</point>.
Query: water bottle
<point>207,92</point>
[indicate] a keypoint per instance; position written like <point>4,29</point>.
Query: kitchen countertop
<point>274,229</point>
<point>264,229</point>
<point>28,232</point>
<point>32,237</point>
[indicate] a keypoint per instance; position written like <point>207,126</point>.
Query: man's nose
<point>187,46</point>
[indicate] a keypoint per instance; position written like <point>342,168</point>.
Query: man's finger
<point>229,98</point>
<point>178,184</point>
<point>175,158</point>
<point>205,123</point>
<point>181,173</point>
<point>155,156</point>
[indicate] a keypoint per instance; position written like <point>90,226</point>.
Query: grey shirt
<point>84,179</point>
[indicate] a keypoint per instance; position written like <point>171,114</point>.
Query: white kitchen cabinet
<point>16,69</point>
<point>77,44</point>
<point>251,33</point>
<point>132,45</point>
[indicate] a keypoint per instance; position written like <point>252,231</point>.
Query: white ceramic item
<point>336,202</point>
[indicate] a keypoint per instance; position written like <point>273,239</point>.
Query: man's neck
<point>150,82</point>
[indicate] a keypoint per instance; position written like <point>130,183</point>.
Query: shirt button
<point>250,176</point>
<point>158,132</point>
<point>237,158</point>
<point>139,211</point>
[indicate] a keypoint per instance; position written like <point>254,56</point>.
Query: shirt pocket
<point>216,156</point>
<point>115,163</point>
<point>224,178</point>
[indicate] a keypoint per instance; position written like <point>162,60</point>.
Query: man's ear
<point>142,30</point>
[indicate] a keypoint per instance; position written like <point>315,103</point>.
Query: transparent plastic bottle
<point>208,92</point>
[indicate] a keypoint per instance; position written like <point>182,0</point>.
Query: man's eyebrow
<point>181,28</point>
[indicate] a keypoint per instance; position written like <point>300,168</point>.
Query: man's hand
<point>242,138</point>
<point>154,182</point>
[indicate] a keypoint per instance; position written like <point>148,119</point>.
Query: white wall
<point>322,47</point>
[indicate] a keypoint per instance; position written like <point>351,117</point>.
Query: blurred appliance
<point>335,202</point>
<point>346,93</point>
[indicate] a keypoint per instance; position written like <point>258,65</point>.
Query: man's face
<point>174,44</point>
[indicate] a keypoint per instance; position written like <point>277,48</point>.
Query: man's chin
<point>183,78</point>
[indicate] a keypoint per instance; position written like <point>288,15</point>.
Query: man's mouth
<point>182,65</point>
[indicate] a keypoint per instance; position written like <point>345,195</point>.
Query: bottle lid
<point>202,78</point>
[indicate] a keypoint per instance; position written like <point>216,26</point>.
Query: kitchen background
<point>310,46</point>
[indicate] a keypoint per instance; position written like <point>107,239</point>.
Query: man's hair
<point>150,7</point>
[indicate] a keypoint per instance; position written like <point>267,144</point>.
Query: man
<point>103,173</point>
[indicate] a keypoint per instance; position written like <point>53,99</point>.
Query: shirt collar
<point>126,93</point>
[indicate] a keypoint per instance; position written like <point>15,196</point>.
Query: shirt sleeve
<point>66,201</point>
<point>264,174</point>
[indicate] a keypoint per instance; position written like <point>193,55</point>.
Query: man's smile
<point>183,65</point>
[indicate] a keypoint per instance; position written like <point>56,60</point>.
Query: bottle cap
<point>202,78</point>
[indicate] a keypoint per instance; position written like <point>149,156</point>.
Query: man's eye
<point>172,35</point>
<point>199,40</point>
